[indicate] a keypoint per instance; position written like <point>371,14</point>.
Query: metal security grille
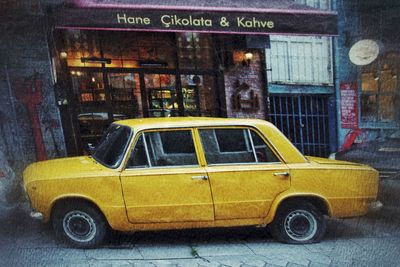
<point>304,120</point>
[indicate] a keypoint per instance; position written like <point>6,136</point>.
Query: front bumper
<point>375,206</point>
<point>33,214</point>
<point>36,215</point>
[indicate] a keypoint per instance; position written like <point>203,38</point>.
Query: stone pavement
<point>373,240</point>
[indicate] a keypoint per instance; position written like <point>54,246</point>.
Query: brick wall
<point>240,74</point>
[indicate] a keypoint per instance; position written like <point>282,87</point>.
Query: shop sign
<point>349,105</point>
<point>201,21</point>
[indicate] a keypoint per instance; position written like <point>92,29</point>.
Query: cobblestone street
<point>373,240</point>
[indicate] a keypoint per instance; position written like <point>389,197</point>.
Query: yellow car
<point>174,173</point>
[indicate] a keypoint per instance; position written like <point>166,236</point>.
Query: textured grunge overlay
<point>283,61</point>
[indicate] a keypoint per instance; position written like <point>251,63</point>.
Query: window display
<point>379,92</point>
<point>162,95</point>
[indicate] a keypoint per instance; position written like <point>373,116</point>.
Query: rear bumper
<point>375,206</point>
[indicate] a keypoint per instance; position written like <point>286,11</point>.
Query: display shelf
<point>164,98</point>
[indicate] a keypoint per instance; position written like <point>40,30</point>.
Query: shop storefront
<point>119,75</point>
<point>119,61</point>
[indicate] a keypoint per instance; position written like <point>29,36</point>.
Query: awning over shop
<point>228,16</point>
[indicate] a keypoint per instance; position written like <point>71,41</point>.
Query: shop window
<point>198,95</point>
<point>125,95</point>
<point>80,44</point>
<point>379,96</point>
<point>123,49</point>
<point>194,51</point>
<point>162,95</point>
<point>92,113</point>
<point>300,60</point>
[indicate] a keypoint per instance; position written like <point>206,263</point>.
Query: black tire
<point>298,222</point>
<point>79,223</point>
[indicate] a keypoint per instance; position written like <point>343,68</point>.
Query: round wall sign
<point>364,52</point>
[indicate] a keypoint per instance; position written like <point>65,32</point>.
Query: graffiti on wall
<point>29,92</point>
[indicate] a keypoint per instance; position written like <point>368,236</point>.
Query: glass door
<point>162,95</point>
<point>91,107</point>
<point>124,95</point>
<point>198,95</point>
<point>101,99</point>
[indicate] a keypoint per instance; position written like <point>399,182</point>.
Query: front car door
<point>163,181</point>
<point>244,172</point>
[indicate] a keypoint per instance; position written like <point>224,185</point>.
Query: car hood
<point>326,161</point>
<point>83,166</point>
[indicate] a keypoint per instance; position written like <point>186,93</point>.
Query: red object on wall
<point>350,138</point>
<point>29,92</point>
<point>349,105</point>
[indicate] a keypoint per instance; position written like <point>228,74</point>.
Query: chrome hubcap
<point>79,226</point>
<point>300,225</point>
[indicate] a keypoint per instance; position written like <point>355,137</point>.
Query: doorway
<point>100,99</point>
<point>304,119</point>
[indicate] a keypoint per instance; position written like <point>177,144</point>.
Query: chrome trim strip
<point>252,145</point>
<point>147,150</point>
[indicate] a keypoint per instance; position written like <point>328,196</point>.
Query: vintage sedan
<point>175,173</point>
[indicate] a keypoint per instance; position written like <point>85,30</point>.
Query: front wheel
<point>80,224</point>
<point>298,223</point>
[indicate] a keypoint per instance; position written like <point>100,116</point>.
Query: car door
<point>244,172</point>
<point>163,181</point>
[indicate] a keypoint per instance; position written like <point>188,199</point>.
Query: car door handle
<point>281,174</point>
<point>200,177</point>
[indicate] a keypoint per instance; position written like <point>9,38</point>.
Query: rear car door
<point>163,181</point>
<point>244,172</point>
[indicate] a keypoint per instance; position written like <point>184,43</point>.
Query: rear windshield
<point>112,146</point>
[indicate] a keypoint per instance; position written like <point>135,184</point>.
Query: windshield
<point>112,146</point>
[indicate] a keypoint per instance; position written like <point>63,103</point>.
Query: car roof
<point>171,122</point>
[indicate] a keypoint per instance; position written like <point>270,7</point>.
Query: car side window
<point>234,146</point>
<point>263,152</point>
<point>164,148</point>
<point>138,158</point>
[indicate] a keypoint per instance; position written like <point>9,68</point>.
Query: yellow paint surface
<point>233,194</point>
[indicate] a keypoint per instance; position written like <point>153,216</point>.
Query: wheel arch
<point>318,201</point>
<point>64,200</point>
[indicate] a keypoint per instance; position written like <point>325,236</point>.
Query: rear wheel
<point>80,224</point>
<point>298,223</point>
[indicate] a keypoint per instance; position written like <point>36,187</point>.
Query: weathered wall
<point>25,72</point>
<point>345,71</point>
<point>245,75</point>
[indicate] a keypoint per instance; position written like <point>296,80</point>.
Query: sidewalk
<point>383,155</point>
